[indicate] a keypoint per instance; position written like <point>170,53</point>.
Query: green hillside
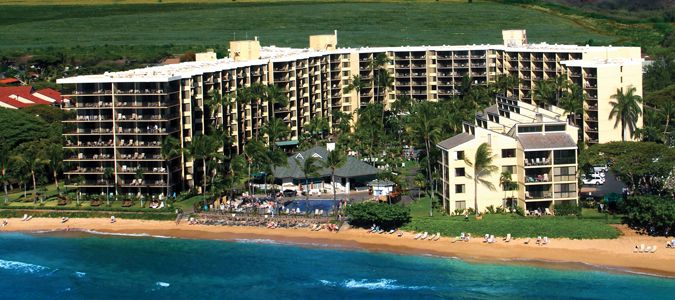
<point>283,24</point>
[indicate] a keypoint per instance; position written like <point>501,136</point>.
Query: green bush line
<point>500,225</point>
<point>103,208</point>
<point>78,214</point>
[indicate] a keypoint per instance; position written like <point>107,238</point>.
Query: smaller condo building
<point>536,146</point>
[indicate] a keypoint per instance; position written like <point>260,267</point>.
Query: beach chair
<point>433,237</point>
<point>438,236</point>
<point>492,239</point>
<point>25,216</point>
<point>424,236</point>
<point>418,236</point>
<point>392,231</point>
<point>486,238</point>
<point>29,218</point>
<point>653,249</point>
<point>545,241</point>
<point>527,241</point>
<point>642,248</point>
<point>548,212</point>
<point>647,250</point>
<point>508,238</point>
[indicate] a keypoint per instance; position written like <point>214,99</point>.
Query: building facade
<point>536,146</point>
<point>314,80</point>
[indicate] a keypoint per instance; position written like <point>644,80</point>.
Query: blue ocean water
<point>48,267</point>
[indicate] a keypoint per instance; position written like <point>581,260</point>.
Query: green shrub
<point>567,209</point>
<point>384,215</point>
<point>490,209</point>
<point>520,211</point>
<point>651,214</point>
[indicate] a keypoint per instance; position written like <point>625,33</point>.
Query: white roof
<point>595,63</point>
<point>171,72</point>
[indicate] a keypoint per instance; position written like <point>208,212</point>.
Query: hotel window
<point>460,205</point>
<point>459,188</point>
<point>459,172</point>
<point>508,153</point>
<point>459,155</point>
<point>509,169</point>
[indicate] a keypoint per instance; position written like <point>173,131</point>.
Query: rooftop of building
<point>163,73</point>
<point>22,96</point>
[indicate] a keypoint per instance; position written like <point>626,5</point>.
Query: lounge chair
<point>653,249</point>
<point>64,219</point>
<point>508,238</point>
<point>392,231</point>
<point>486,238</point>
<point>433,237</point>
<point>418,236</point>
<point>548,212</point>
<point>642,248</point>
<point>113,219</point>
<point>647,250</point>
<point>424,236</point>
<point>25,216</point>
<point>438,236</point>
<point>29,218</point>
<point>492,239</point>
<point>545,241</point>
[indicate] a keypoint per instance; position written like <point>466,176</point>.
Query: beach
<point>606,254</point>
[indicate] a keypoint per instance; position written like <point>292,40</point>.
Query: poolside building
<point>121,117</point>
<point>354,173</point>
<point>536,146</point>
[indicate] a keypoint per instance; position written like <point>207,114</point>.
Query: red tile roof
<point>22,96</point>
<point>8,80</point>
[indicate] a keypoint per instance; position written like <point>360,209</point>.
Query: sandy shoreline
<point>611,255</point>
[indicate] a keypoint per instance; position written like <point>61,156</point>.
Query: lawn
<point>593,226</point>
<point>279,23</point>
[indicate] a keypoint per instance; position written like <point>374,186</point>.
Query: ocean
<point>123,267</point>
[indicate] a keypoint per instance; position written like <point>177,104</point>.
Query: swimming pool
<point>311,205</point>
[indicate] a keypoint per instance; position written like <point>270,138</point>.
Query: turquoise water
<point>48,267</point>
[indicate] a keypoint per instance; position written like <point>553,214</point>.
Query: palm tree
<point>356,84</point>
<point>559,84</point>
<point>275,130</point>
<point>55,158</point>
<point>423,124</point>
<point>626,109</point>
<point>32,156</point>
<point>335,160</point>
<point>253,152</point>
<point>505,83</point>
<point>275,96</point>
<point>309,168</point>
<point>108,174</point>
<point>667,110</point>
<point>506,182</point>
<point>466,86</point>
<point>5,160</point>
<point>573,102</point>
<point>139,178</point>
<point>202,148</point>
<point>544,93</point>
<point>213,104</point>
<point>170,149</point>
<point>482,167</point>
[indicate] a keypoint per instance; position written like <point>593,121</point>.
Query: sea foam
<point>126,234</point>
<point>162,284</point>
<point>21,266</point>
<point>378,284</point>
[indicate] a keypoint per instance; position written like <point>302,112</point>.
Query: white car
<point>593,179</point>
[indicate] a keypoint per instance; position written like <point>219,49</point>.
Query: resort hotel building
<point>122,117</point>
<point>533,149</point>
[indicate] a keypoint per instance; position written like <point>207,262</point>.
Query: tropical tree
<point>423,125</point>
<point>254,151</point>
<point>544,93</point>
<point>626,109</point>
<point>32,154</point>
<point>202,147</point>
<point>235,179</point>
<point>309,168</point>
<point>506,182</point>
<point>559,84</point>
<point>572,102</point>
<point>108,175</point>
<point>505,83</point>
<point>139,179</point>
<point>170,149</point>
<point>317,128</point>
<point>356,84</point>
<point>335,160</point>
<point>55,159</point>
<point>667,111</point>
<point>5,160</point>
<point>275,97</point>
<point>341,122</point>
<point>275,130</point>
<point>482,168</point>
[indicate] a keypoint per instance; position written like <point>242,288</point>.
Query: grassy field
<point>593,225</point>
<point>279,23</point>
